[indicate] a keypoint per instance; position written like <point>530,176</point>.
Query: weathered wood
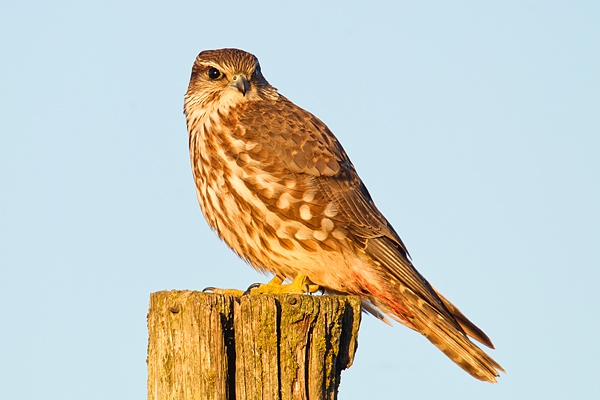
<point>190,344</point>
<point>268,347</point>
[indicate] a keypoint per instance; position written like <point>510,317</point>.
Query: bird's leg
<point>273,286</point>
<point>300,285</point>
<point>233,292</point>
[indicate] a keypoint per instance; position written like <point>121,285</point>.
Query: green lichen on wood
<point>277,347</point>
<point>188,332</point>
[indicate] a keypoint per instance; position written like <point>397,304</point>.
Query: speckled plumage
<point>276,185</point>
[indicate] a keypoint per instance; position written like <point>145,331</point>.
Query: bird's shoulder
<point>282,134</point>
<point>294,140</point>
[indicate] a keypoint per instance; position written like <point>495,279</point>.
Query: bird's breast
<point>276,220</point>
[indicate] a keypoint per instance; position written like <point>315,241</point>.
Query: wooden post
<point>268,347</point>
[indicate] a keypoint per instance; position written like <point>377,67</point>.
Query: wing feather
<point>310,152</point>
<point>318,155</point>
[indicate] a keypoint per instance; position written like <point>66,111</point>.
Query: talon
<point>231,292</point>
<point>315,288</point>
<point>249,290</point>
<point>300,285</point>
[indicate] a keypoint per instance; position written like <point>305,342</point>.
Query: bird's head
<point>226,78</point>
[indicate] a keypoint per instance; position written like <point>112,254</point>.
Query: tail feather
<point>470,328</point>
<point>455,345</point>
<point>444,333</point>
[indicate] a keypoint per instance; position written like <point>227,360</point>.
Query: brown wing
<point>300,151</point>
<point>293,141</point>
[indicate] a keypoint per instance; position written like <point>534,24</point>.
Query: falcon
<point>278,188</point>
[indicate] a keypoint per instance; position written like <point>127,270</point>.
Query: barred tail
<point>447,331</point>
<point>456,345</point>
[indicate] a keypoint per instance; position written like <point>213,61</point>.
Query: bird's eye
<point>214,73</point>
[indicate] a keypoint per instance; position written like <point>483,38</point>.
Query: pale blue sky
<point>476,127</point>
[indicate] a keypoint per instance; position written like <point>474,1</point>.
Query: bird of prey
<point>276,185</point>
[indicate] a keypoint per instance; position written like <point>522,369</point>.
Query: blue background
<point>475,125</point>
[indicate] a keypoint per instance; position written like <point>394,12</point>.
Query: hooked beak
<point>240,82</point>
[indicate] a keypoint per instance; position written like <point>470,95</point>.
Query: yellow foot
<point>233,292</point>
<point>300,285</point>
